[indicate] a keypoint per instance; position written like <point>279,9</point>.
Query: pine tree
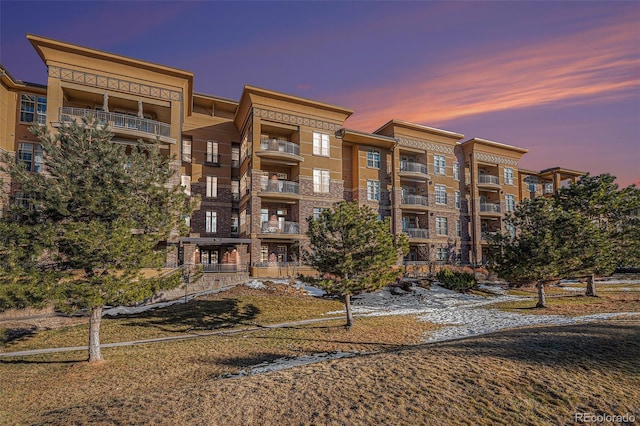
<point>94,220</point>
<point>353,251</point>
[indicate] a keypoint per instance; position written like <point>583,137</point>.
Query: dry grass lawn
<point>534,376</point>
<point>571,304</point>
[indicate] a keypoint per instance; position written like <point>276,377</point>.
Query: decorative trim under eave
<point>295,119</point>
<point>494,159</point>
<point>427,146</point>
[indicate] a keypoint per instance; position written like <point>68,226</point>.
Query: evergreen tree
<point>614,216</point>
<point>94,220</point>
<point>353,251</point>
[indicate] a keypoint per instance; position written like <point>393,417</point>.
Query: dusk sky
<point>561,79</point>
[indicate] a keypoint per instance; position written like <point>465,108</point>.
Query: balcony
<point>489,181</point>
<point>279,189</point>
<point>485,235</point>
<point>413,171</point>
<point>280,151</point>
<point>414,202</point>
<point>416,233</point>
<point>123,124</point>
<point>278,230</point>
<point>490,209</point>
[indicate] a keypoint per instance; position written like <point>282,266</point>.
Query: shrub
<point>458,281</point>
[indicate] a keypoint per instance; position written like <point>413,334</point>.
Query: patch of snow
<point>255,284</point>
<point>286,363</point>
<point>312,291</point>
<point>571,288</point>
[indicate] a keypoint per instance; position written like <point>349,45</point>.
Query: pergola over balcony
<point>123,124</point>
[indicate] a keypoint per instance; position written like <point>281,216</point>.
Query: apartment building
<point>263,164</point>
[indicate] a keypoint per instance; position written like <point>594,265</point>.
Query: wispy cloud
<point>601,63</point>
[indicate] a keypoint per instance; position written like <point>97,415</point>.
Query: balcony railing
<point>278,145</point>
<point>415,200</point>
<point>416,232</point>
<point>408,166</point>
<point>271,227</point>
<point>281,186</point>
<point>485,235</point>
<point>116,120</point>
<point>489,208</point>
<point>489,179</point>
<point>224,267</point>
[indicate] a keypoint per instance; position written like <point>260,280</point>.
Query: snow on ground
<point>285,363</point>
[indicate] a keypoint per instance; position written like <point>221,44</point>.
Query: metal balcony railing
<point>493,180</point>
<point>415,200</point>
<point>276,185</point>
<point>116,120</point>
<point>489,208</point>
<point>271,227</point>
<point>484,235</point>
<point>279,145</point>
<point>416,232</point>
<point>224,267</point>
<point>408,166</point>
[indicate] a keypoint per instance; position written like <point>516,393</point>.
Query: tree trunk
<point>94,334</point>
<point>347,306</point>
<point>591,286</point>
<point>542,302</point>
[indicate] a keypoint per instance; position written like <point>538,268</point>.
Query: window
<point>212,152</point>
<point>30,155</point>
<point>185,182</point>
<point>442,254</point>
<point>511,230</point>
<point>235,190</point>
<point>33,108</point>
<point>235,156</point>
<point>212,186</point>
<point>186,150</point>
<point>21,200</point>
<point>508,176</point>
<point>234,223</point>
<point>441,194</point>
<point>456,171</point>
<point>510,203</point>
<point>211,222</point>
<point>321,179</point>
<point>457,195</point>
<point>458,228</point>
<point>264,253</point>
<point>373,159</point>
<point>373,190</point>
<point>244,147</point>
<point>548,187</point>
<point>438,164</point>
<point>320,144</point>
<point>441,225</point>
<point>317,212</point>
<point>532,183</point>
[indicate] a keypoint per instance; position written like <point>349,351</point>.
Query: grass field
<point>527,376</point>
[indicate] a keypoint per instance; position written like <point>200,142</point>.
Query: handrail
<point>117,120</point>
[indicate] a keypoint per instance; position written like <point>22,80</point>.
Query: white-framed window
<point>264,253</point>
<point>243,218</point>
<point>456,171</point>
<point>321,180</point>
<point>186,149</point>
<point>212,152</point>
<point>321,144</point>
<point>458,228</point>
<point>373,158</point>
<point>508,176</point>
<point>317,212</point>
<point>211,222</point>
<point>21,200</point>
<point>373,190</point>
<point>185,182</point>
<point>33,108</point>
<point>442,227</point>
<point>441,194</point>
<point>511,230</point>
<point>532,183</point>
<point>439,164</point>
<point>212,186</point>
<point>457,197</point>
<point>509,203</point>
<point>548,187</point>
<point>442,254</point>
<point>30,154</point>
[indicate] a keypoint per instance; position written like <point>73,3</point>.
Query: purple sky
<point>559,78</point>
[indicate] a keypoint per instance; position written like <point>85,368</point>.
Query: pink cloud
<point>601,63</point>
